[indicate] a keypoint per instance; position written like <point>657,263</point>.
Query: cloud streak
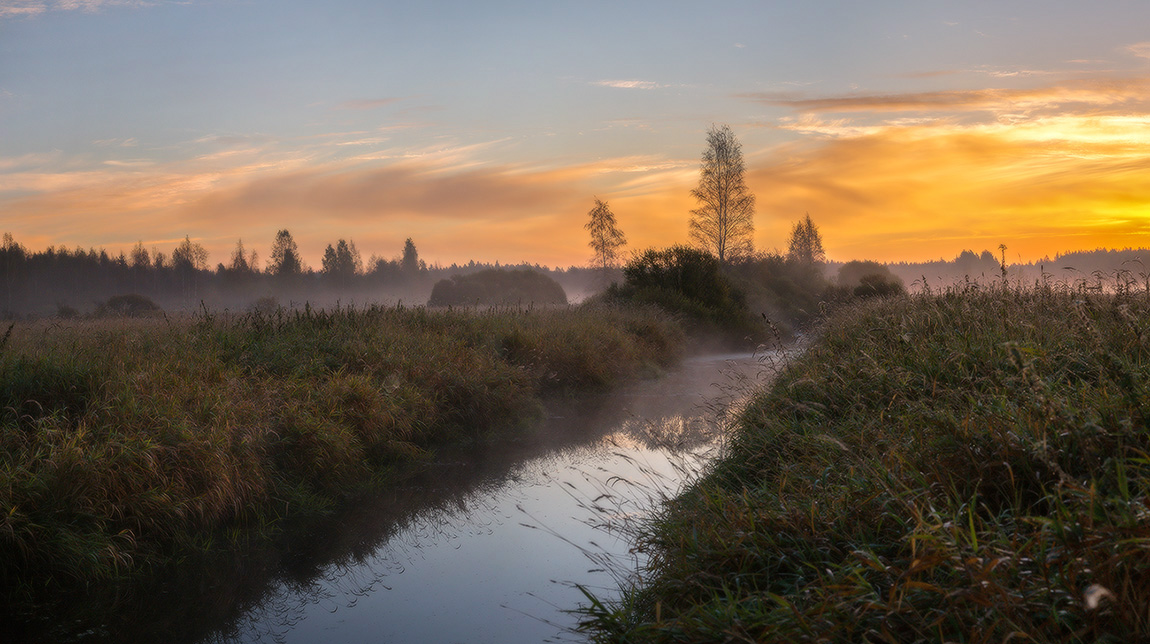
<point>16,8</point>
<point>1139,49</point>
<point>456,211</point>
<point>628,84</point>
<point>29,8</point>
<point>928,191</point>
<point>913,175</point>
<point>1098,94</point>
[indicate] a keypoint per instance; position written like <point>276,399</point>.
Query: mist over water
<point>497,559</point>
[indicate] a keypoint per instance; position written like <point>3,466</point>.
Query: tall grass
<point>124,443</point>
<point>964,466</point>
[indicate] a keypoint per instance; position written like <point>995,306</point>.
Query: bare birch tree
<point>606,239</point>
<point>724,221</point>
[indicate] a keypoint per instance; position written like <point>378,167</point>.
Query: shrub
<point>869,279</point>
<point>786,291</point>
<point>266,305</point>
<point>689,282</point>
<point>131,306</point>
<point>66,312</point>
<point>879,286</point>
<point>494,287</point>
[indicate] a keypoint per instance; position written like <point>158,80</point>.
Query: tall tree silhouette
<point>189,256</point>
<point>724,221</point>
<point>342,261</point>
<point>139,258</point>
<point>241,270</point>
<point>606,239</point>
<point>410,262</point>
<point>188,259</point>
<point>285,261</point>
<point>806,244</point>
<point>240,264</point>
<point>12,255</point>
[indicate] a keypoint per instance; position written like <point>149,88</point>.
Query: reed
<point>124,443</point>
<point>971,465</point>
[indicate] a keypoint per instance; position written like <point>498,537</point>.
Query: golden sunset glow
<point>921,191</point>
<point>1041,156</point>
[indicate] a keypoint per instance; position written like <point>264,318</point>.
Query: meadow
<point>970,465</point>
<point>127,443</point>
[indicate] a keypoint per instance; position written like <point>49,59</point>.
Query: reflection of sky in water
<point>498,565</point>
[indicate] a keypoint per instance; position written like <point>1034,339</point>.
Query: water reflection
<point>497,563</point>
<point>492,565</point>
<point>484,546</point>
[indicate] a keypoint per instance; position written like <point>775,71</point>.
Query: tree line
<point>721,225</point>
<point>73,281</point>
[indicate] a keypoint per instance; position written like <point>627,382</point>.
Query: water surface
<point>488,545</point>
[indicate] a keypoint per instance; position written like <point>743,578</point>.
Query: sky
<point>484,131</point>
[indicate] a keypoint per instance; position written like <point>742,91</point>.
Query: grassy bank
<point>124,443</point>
<point>960,467</point>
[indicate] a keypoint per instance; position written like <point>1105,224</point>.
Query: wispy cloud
<point>1140,49</point>
<point>130,142</point>
<point>131,163</point>
<point>378,140</point>
<point>96,5</point>
<point>1001,72</point>
<point>997,72</point>
<point>453,205</point>
<point>628,84</point>
<point>1097,93</point>
<point>449,196</point>
<point>930,189</point>
<point>394,191</point>
<point>8,164</point>
<point>17,8</point>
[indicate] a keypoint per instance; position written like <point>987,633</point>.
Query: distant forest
<point>1087,268</point>
<point>68,282</point>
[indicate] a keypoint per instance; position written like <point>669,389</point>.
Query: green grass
<point>124,443</point>
<point>966,466</point>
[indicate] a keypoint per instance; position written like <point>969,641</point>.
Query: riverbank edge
<point>128,443</point>
<point>970,465</point>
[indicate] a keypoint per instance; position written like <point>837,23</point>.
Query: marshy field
<point>126,444</point>
<point>971,465</point>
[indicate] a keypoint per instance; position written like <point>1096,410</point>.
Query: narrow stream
<point>489,544</point>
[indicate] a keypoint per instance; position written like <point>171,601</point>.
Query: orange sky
<point>1071,173</point>
<point>924,164</point>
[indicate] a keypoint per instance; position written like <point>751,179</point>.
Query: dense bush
<point>689,282</point>
<point>788,292</point>
<point>494,287</point>
<point>865,279</point>
<point>131,305</point>
<point>879,286</point>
